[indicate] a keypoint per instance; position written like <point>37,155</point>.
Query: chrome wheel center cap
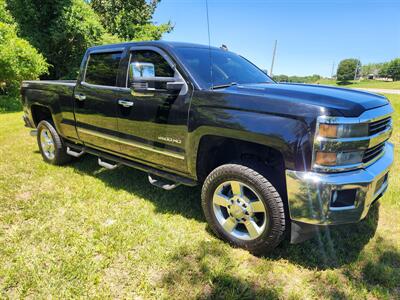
<point>239,209</point>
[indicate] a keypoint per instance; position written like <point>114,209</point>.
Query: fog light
<point>343,198</point>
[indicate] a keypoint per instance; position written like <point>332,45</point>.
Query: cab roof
<point>161,44</point>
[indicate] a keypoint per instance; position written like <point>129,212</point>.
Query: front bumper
<point>310,193</point>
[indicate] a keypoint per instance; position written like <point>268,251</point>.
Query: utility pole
<point>333,69</point>
<point>273,59</point>
<point>356,72</point>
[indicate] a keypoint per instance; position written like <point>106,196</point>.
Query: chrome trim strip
<point>342,208</point>
<point>108,87</point>
<point>129,143</point>
<point>309,193</point>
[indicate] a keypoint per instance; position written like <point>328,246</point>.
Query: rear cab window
<point>102,68</point>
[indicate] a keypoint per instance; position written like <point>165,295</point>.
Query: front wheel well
<point>215,151</point>
<point>40,113</point>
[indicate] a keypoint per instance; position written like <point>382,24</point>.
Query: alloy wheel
<point>239,210</point>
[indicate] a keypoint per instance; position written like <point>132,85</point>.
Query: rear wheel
<point>243,208</point>
<point>51,145</point>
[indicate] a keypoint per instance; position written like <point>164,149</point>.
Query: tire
<point>228,181</point>
<point>51,145</point>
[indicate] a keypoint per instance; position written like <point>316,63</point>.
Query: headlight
<point>338,159</point>
<point>343,130</point>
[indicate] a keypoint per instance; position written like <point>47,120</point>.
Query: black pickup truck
<point>272,158</point>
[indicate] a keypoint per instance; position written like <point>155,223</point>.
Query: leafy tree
<point>347,69</point>
<point>393,69</point>
<point>130,19</point>
<point>18,61</point>
<point>384,71</point>
<point>373,68</point>
<point>61,29</point>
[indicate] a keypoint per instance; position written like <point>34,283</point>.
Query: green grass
<point>82,231</point>
<point>377,84</point>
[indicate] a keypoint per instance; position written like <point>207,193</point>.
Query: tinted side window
<point>102,68</point>
<point>147,63</point>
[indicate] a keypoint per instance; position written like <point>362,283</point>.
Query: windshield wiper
<point>221,86</point>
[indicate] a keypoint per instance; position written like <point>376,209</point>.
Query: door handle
<point>80,97</point>
<point>125,103</point>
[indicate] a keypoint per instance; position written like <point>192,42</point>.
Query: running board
<point>162,184</point>
<point>74,153</point>
<point>134,164</point>
<point>107,165</point>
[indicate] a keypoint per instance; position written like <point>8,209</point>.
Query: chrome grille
<point>373,152</point>
<point>379,126</point>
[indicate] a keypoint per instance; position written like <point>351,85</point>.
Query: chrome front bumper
<point>310,194</point>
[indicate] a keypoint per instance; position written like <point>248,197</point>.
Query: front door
<point>153,119</point>
<point>96,98</point>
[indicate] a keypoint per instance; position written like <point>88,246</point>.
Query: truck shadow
<point>182,200</point>
<point>332,247</point>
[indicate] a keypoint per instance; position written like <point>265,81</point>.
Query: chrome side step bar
<point>74,153</point>
<point>107,165</point>
<point>162,184</point>
<point>169,177</point>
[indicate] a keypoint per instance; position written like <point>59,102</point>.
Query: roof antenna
<point>209,45</point>
<point>224,47</point>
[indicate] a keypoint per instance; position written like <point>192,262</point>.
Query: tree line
<point>351,68</point>
<point>296,79</point>
<point>47,39</point>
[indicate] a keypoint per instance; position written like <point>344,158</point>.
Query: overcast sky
<point>311,34</point>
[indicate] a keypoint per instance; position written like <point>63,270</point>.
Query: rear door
<point>153,119</point>
<point>96,97</point>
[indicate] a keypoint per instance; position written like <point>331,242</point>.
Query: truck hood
<point>328,100</point>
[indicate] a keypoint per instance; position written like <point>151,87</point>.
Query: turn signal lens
<point>328,130</point>
<point>326,158</point>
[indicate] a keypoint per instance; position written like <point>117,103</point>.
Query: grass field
<point>377,84</point>
<point>81,231</point>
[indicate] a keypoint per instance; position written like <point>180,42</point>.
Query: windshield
<point>227,68</point>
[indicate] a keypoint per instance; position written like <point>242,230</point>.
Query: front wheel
<point>51,145</point>
<point>243,208</point>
